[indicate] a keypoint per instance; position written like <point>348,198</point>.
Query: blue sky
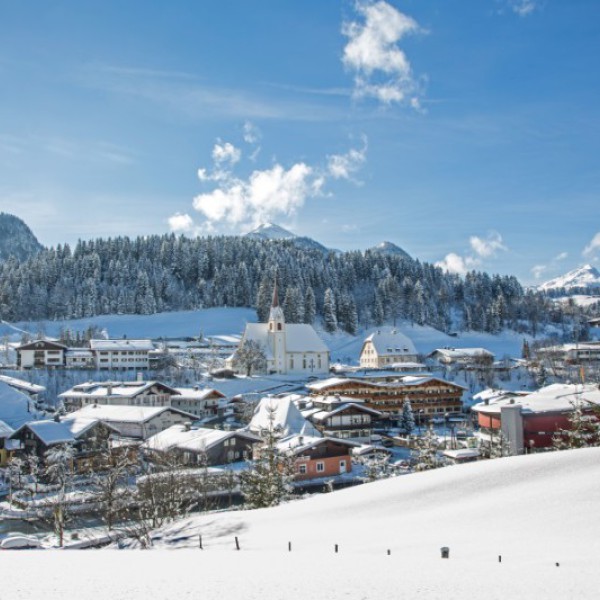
<point>467,132</point>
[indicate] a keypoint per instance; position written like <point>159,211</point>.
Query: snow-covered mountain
<point>390,248</point>
<point>586,276</point>
<point>271,231</point>
<point>16,239</point>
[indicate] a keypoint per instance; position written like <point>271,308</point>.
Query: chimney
<point>109,389</point>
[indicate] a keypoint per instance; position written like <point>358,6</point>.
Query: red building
<point>530,421</point>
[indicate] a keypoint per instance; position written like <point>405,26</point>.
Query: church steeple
<point>276,318</point>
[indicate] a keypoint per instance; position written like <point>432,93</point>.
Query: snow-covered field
<point>534,511</point>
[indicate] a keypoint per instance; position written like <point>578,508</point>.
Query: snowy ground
<point>534,511</point>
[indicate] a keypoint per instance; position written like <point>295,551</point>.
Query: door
<point>342,466</point>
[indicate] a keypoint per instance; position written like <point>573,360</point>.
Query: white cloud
<point>523,7</point>
<point>266,194</point>
<point>226,153</point>
<point>593,246</point>
<point>181,223</point>
<point>454,263</point>
<point>561,256</point>
<point>343,166</point>
<point>538,270</point>
<point>252,133</point>
<point>487,247</point>
<point>381,69</point>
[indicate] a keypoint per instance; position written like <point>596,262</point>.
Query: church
<point>293,348</point>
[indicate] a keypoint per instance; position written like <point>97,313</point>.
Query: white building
<point>122,354</point>
<point>139,422</point>
<point>41,354</point>
<point>384,348</point>
<point>293,348</point>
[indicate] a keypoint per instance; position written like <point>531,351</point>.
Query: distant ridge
<point>16,239</point>
<point>271,231</point>
<point>586,276</point>
<point>391,249</point>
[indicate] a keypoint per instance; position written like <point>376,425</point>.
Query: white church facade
<point>290,348</point>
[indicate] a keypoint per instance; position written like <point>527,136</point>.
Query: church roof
<point>299,337</point>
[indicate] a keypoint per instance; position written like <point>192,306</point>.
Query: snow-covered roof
<point>325,414</point>
<point>462,353</point>
<point>282,415</point>
<point>15,406</point>
<point>192,439</point>
<point>323,384</point>
<point>121,345</point>
<point>5,430</point>
<point>462,453</point>
<point>21,385</point>
<point>125,414</point>
<point>45,344</point>
<point>335,400</point>
<point>400,381</point>
<point>66,431</point>
<point>103,389</point>
<point>301,443</point>
<point>299,337</point>
<point>557,397</point>
<point>391,341</point>
<point>197,393</point>
<point>79,353</point>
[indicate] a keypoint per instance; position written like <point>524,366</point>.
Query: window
<point>278,326</point>
<point>302,469</point>
<point>320,467</point>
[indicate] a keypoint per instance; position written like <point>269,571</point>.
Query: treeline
<point>166,273</point>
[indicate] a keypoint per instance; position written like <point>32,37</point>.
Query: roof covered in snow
<point>15,407</point>
<point>5,430</point>
<point>391,341</point>
<point>193,439</point>
<point>22,385</point>
<point>103,389</point>
<point>282,415</point>
<point>197,393</point>
<point>125,414</point>
<point>66,431</point>
<point>462,353</point>
<point>299,337</point>
<point>121,345</point>
<point>301,443</point>
<point>558,397</point>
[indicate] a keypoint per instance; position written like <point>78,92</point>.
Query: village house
<point>293,348</point>
<point>464,357</point>
<point>201,446</point>
<point>88,437</point>
<point>429,396</point>
<point>113,393</point>
<point>384,348</point>
<point>341,417</point>
<point>280,416</point>
<point>40,354</point>
<point>529,421</point>
<point>138,422</point>
<point>317,456</point>
<point>202,402</point>
<point>122,354</point>
<point>79,358</point>
<point>581,353</point>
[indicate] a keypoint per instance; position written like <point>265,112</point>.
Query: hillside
<point>16,239</point>
<point>391,248</point>
<point>271,232</point>
<point>534,511</point>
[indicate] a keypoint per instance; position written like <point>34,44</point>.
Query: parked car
<point>19,542</point>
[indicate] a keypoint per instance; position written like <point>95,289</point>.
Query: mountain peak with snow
<point>391,249</point>
<point>585,276</point>
<point>273,232</point>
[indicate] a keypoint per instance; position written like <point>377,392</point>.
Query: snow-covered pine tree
<point>329,312</point>
<point>59,470</point>
<point>583,430</point>
<point>407,418</point>
<point>267,481</point>
<point>310,306</point>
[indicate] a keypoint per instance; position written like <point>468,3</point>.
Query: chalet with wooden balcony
<point>429,396</point>
<point>41,354</point>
